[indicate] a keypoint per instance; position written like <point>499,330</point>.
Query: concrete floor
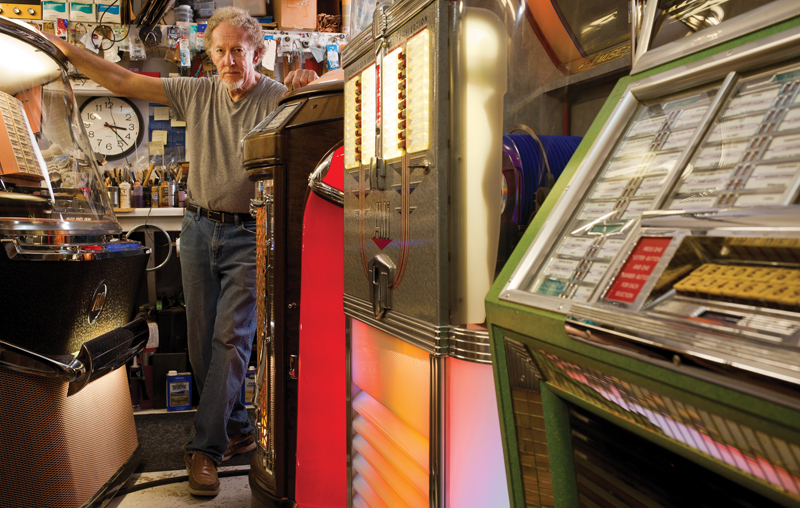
<point>234,492</point>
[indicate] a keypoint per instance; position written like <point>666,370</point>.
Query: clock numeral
<point>108,146</point>
<point>109,104</point>
<point>98,142</point>
<point>120,143</point>
<point>128,117</point>
<point>131,127</point>
<point>128,137</point>
<point>91,134</point>
<point>98,107</point>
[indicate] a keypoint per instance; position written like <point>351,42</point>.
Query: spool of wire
<point>532,164</point>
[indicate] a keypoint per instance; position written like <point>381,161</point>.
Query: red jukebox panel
<point>321,416</point>
<point>279,155</point>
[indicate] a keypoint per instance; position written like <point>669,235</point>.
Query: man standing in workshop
<point>218,240</point>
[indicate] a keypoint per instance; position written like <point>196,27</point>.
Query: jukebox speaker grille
<point>524,378</point>
<point>615,467</point>
<point>767,459</point>
<point>58,451</point>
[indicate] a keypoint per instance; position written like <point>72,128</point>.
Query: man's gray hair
<point>236,17</point>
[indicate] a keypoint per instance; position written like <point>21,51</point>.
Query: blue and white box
<point>249,386</point>
<point>179,391</point>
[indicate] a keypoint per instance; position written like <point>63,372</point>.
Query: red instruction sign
<point>637,269</point>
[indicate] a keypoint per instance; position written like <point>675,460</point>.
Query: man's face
<point>234,56</point>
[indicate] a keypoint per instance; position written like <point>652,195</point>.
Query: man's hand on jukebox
<point>299,78</point>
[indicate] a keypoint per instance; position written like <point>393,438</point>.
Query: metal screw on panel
<point>31,12</point>
<point>292,305</point>
<point>17,11</point>
<point>522,378</point>
<point>676,360</point>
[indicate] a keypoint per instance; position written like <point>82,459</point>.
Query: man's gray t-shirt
<point>215,126</point>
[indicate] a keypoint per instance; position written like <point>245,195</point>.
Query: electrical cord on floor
<point>176,479</point>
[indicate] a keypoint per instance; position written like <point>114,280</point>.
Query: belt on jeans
<point>226,217</point>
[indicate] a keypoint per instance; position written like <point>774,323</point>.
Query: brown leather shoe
<point>239,444</point>
<point>203,480</point>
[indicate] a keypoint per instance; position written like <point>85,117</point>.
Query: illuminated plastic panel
<point>352,126</point>
<point>368,114</point>
<point>391,424</point>
<point>476,474</point>
<point>393,101</point>
<point>417,121</point>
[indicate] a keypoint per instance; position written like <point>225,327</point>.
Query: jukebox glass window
<point>264,396</point>
<point>596,25</point>
<point>677,19</point>
<point>751,154</point>
<point>629,183</point>
<point>49,173</point>
<point>360,112</point>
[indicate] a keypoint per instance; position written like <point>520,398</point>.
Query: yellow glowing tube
<point>368,114</point>
<point>367,497</point>
<point>418,79</point>
<point>401,463</point>
<point>351,110</point>
<point>477,196</point>
<point>386,493</point>
<point>400,434</point>
<point>391,98</point>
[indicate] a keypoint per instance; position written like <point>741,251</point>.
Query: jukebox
<point>424,98</point>
<point>67,435</point>
<point>300,385</point>
<point>646,331</point>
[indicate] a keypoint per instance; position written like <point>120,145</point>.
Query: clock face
<point>113,124</point>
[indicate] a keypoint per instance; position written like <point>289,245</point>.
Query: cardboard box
<point>295,14</point>
<point>80,11</point>
<point>54,9</point>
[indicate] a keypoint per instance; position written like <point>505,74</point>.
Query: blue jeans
<point>218,263</point>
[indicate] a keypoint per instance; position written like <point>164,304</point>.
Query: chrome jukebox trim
<point>470,345</point>
<point>703,345</point>
<point>454,341</point>
<point>756,19</point>
<point>430,338</point>
<point>96,358</point>
<point>327,193</point>
<point>65,369</point>
<point>322,189</point>
<point>17,250</point>
<point>402,12</point>
<point>355,49</point>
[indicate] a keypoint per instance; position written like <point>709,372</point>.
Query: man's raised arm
<point>109,75</point>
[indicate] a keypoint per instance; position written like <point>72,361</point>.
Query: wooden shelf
<point>168,219</point>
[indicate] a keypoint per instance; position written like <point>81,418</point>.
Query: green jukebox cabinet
<point>645,334</point>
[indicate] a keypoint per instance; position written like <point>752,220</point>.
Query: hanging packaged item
<point>53,10</point>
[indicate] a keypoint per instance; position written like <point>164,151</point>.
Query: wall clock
<point>114,126</point>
